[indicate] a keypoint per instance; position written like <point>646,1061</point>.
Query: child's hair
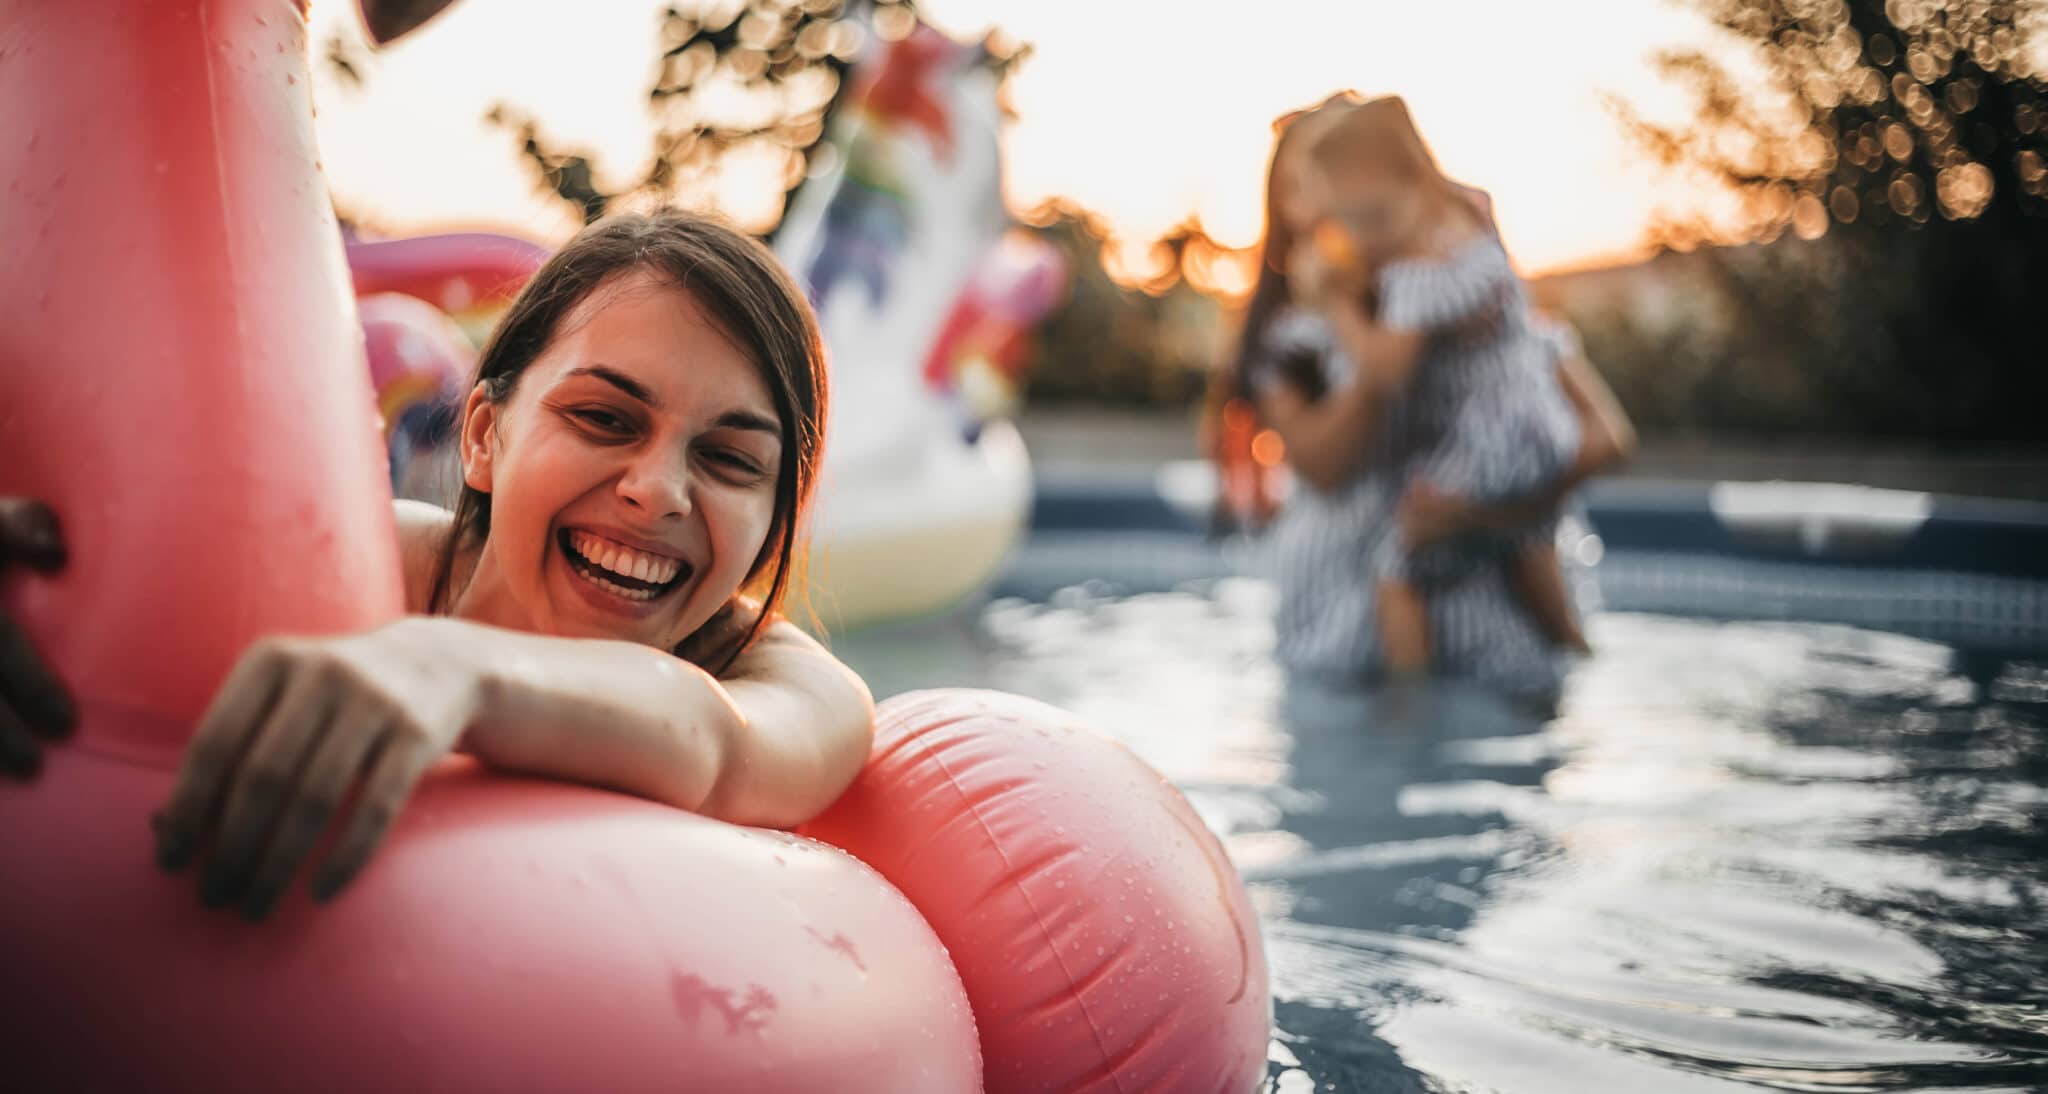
<point>1374,145</point>
<point>1271,292</point>
<point>744,290</point>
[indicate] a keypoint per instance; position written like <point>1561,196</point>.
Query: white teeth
<point>625,562</point>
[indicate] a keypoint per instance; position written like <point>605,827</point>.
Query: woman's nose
<point>658,485</point>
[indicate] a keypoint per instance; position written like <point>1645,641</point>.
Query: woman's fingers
<point>32,702</point>
<point>29,535</point>
<point>399,762</point>
<point>328,774</point>
<point>215,753</point>
<point>19,754</point>
<point>263,785</point>
<point>29,689</point>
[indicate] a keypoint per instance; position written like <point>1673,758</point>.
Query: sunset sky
<point>1142,110</point>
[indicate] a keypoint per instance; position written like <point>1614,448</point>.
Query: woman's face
<point>632,473</point>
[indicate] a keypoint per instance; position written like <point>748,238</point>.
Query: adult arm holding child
<point>1607,439</point>
<point>1327,440</point>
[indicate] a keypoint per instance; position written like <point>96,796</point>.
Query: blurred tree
<point>1150,345</point>
<point>1913,136</point>
<point>730,73</point>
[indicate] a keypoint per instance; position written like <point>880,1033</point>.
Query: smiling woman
<point>637,449</point>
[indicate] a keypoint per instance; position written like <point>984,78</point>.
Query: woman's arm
<point>1327,440</point>
<point>305,724</point>
<point>773,743</point>
<point>1606,440</point>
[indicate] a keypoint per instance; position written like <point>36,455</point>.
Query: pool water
<point>1743,856</point>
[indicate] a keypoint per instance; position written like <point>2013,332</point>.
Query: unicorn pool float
<point>927,296</point>
<point>1003,900</point>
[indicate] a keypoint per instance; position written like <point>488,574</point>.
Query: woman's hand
<point>1310,280</point>
<point>33,705</point>
<point>302,726</point>
<point>1428,515</point>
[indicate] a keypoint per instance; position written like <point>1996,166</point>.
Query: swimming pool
<point>1757,852</point>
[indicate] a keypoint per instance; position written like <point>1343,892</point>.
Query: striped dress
<point>1320,547</point>
<point>1487,418</point>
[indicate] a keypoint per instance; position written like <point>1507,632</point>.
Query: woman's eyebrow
<point>619,380</point>
<point>747,419</point>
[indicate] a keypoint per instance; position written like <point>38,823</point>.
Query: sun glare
<point>1146,113</point>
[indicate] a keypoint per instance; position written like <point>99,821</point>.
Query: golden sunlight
<point>1146,113</point>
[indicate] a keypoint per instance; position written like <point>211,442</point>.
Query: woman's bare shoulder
<point>422,530</point>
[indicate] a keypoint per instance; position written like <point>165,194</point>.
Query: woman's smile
<point>635,576</point>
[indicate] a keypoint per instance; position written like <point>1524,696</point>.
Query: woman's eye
<point>738,461</point>
<point>734,464</point>
<point>604,420</point>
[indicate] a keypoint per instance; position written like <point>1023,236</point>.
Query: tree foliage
<point>728,74</point>
<point>1907,141</point>
<point>1111,345</point>
<point>1873,111</point>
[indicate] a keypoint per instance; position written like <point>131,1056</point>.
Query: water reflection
<point>1744,856</point>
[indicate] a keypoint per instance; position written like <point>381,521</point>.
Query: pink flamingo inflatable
<point>1031,908</point>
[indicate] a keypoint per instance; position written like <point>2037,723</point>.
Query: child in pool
<point>1417,260</point>
<point>637,452</point>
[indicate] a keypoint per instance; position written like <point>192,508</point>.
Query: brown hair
<point>1271,292</point>
<point>744,290</point>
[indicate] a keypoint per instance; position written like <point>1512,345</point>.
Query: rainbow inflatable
<point>1003,901</point>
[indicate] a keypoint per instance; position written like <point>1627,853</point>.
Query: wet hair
<point>745,292</point>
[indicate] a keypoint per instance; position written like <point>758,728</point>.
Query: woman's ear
<point>479,438</point>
